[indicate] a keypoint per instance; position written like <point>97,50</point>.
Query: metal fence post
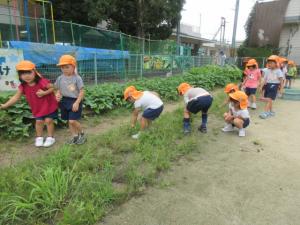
<point>141,65</point>
<point>95,68</point>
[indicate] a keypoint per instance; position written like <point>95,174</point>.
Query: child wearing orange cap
<point>196,100</point>
<point>146,101</point>
<point>292,73</point>
<point>70,93</point>
<point>39,94</point>
<point>230,88</point>
<point>238,115</point>
<point>252,81</point>
<point>283,62</point>
<point>271,84</point>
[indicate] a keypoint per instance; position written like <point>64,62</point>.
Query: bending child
<point>147,101</point>
<point>196,100</point>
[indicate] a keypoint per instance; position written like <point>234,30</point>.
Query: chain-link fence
<point>40,30</point>
<point>97,68</point>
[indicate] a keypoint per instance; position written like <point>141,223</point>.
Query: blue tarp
<point>42,54</point>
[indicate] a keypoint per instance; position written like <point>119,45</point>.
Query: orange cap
<point>273,58</point>
<point>128,91</point>
<point>183,88</point>
<point>241,97</point>
<point>282,60</point>
<point>252,62</point>
<point>136,94</point>
<point>67,60</point>
<point>291,63</point>
<point>230,87</point>
<point>25,65</point>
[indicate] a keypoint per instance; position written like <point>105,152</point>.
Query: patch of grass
<point>75,185</point>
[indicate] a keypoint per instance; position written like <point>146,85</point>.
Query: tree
<point>134,17</point>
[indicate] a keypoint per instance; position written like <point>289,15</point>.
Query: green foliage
<point>78,185</point>
<point>17,120</point>
<point>156,18</point>
<point>265,51</point>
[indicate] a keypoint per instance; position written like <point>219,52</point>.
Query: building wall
<point>290,34</point>
<point>267,23</point>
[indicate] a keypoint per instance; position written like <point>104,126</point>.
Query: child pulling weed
<point>196,100</point>
<point>38,92</point>
<point>146,101</point>
<point>70,93</point>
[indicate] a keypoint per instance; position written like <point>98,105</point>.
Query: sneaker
<point>228,128</point>
<point>49,142</point>
<point>242,132</point>
<point>186,129</point>
<point>253,105</point>
<point>272,113</point>
<point>264,115</point>
<point>39,141</point>
<point>72,141</point>
<point>136,136</point>
<point>81,139</point>
<point>202,129</point>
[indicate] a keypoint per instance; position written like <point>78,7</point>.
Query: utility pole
<point>178,36</point>
<point>235,26</point>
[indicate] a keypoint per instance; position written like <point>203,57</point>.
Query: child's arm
<point>79,99</point>
<point>13,100</point>
<point>135,115</point>
<point>50,89</point>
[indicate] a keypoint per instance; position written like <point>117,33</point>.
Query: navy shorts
<point>202,103</point>
<point>288,77</point>
<point>246,122</point>
<point>271,91</point>
<point>53,116</point>
<point>250,91</point>
<point>66,105</point>
<point>152,114</point>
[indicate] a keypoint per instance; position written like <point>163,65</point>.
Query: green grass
<point>80,184</point>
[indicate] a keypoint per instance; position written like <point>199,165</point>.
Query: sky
<point>211,12</point>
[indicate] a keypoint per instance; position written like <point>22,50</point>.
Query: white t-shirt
<point>194,93</point>
<point>272,76</point>
<point>148,101</point>
<point>244,113</point>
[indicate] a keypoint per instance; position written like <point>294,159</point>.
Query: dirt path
<point>14,152</point>
<point>232,181</point>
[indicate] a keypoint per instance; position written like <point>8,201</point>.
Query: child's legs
<point>238,123</point>
<point>75,127</point>
<point>39,127</point>
<point>228,118</point>
<point>50,126</point>
<point>268,106</point>
<point>145,123</point>
<point>186,114</point>
<point>253,98</point>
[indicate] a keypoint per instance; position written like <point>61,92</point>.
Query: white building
<point>290,34</point>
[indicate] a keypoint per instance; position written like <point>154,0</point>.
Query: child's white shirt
<point>243,113</point>
<point>148,101</point>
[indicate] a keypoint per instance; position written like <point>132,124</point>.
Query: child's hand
<point>58,97</point>
<point>132,125</point>
<point>2,106</point>
<point>75,107</point>
<point>40,93</point>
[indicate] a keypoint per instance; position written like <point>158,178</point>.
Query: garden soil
<point>231,180</point>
